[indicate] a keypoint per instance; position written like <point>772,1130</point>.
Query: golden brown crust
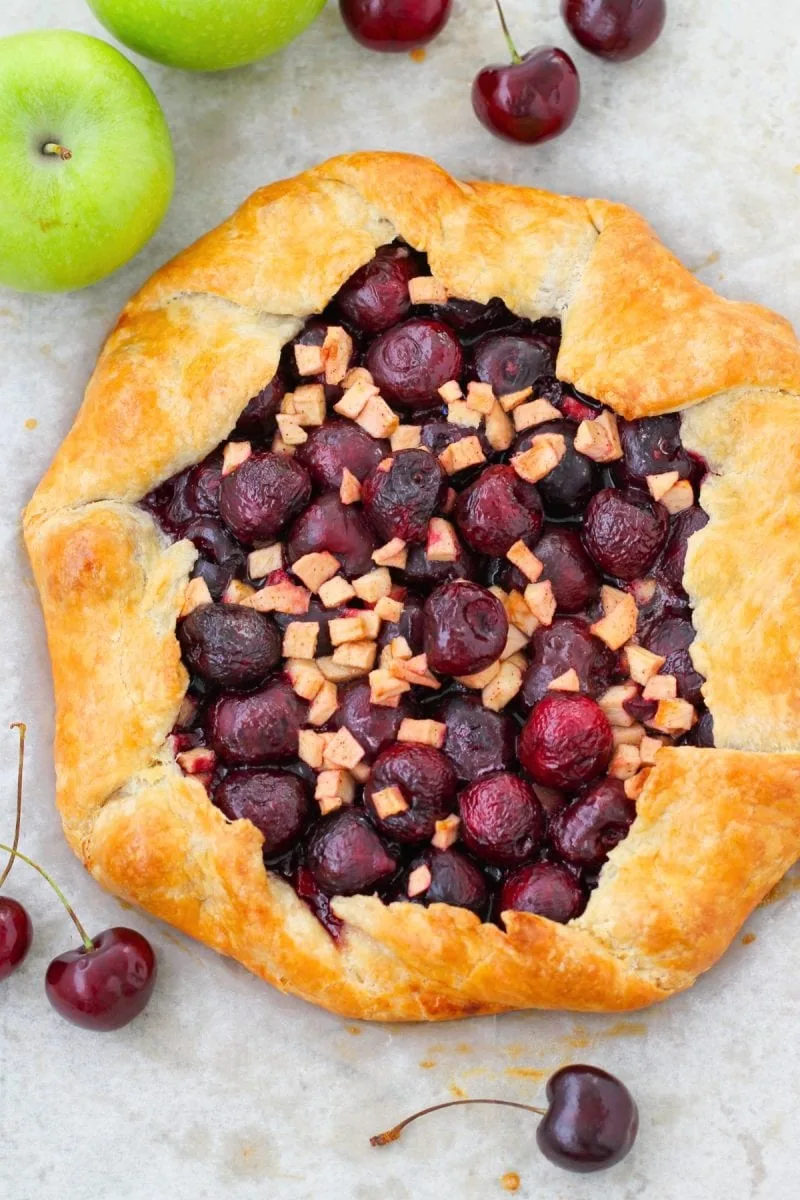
<point>716,828</point>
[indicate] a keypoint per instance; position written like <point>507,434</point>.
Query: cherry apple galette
<point>409,645</point>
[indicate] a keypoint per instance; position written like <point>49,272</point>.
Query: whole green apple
<point>87,166</point>
<point>206,35</point>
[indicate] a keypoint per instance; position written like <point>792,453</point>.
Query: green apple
<point>206,35</point>
<point>87,165</point>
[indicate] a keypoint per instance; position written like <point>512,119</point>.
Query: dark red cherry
<point>16,934</point>
<point>589,829</point>
<point>402,493</point>
<point>501,820</point>
<point>615,29</point>
<point>566,645</point>
<point>454,880</point>
<point>259,497</point>
<point>672,638</point>
<point>202,486</point>
<point>410,625</point>
<point>258,728</point>
<point>277,802</point>
<point>229,646</point>
<point>465,628</point>
<point>547,889</point>
<point>471,319</point>
<point>424,575</point>
<point>327,524</point>
<point>478,741</point>
<point>376,297</point>
<point>427,783</point>
<point>530,100</point>
<point>568,567</point>
<point>106,987</point>
<point>566,741</point>
<point>347,856</point>
<point>511,363</point>
<point>336,445</point>
<point>410,362</point>
<point>497,510</point>
<point>258,418</point>
<point>591,1122</point>
<point>395,25</point>
<point>221,557</point>
<point>672,564</point>
<point>703,733</point>
<point>372,725</point>
<point>567,489</point>
<point>651,446</point>
<point>624,533</point>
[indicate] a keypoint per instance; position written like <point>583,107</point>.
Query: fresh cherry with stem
<point>16,930</point>
<point>615,29</point>
<point>531,99</point>
<point>590,1123</point>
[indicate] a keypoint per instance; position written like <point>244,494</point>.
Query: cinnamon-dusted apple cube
<point>673,717</point>
<point>567,682</point>
<point>424,733</point>
<point>300,639</point>
<point>619,624</point>
<point>400,648</point>
<point>635,786</point>
<point>642,664</point>
<point>541,600</point>
<point>310,748</point>
<point>661,687</point>
<point>628,735</point>
<point>261,563</point>
<point>236,592</point>
<point>197,761</point>
<point>356,628</point>
<point>309,360</point>
<point>415,671</point>
<point>599,439</point>
<point>385,689</point>
<point>388,609</point>
<point>354,400</point>
<point>446,834</point>
<point>503,688</point>
<point>377,419</point>
<point>388,802</point>
<point>544,454</point>
<point>349,488</point>
<point>234,454</point>
<point>374,586</point>
<point>515,641</point>
<point>196,595</point>
<point>359,655</point>
<point>462,454</point>
<point>282,448</point>
<point>512,400</point>
<point>535,412</point>
<point>338,672</point>
<point>292,434</point>
<point>393,554</point>
<point>659,485</point>
<point>679,497</point>
<point>480,397</point>
<point>419,881</point>
<point>498,429</point>
<point>519,614</point>
<point>287,405</point>
<point>459,413</point>
<point>334,789</point>
<point>649,748</point>
<point>324,704</point>
<point>315,569</point>
<point>425,289</point>
<point>357,375</point>
<point>643,590</point>
<point>525,560</point>
<point>343,751</point>
<point>309,405</point>
<point>625,762</point>
<point>335,592</point>
<point>451,391</point>
<point>337,350</point>
<point>442,544</point>
<point>480,679</point>
<point>305,677</point>
<point>613,699</point>
<point>406,437</point>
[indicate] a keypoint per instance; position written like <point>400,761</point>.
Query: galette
<point>420,579</point>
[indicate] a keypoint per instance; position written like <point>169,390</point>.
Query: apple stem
<point>53,148</point>
<point>515,55</point>
<point>23,729</point>
<point>87,941</point>
<point>391,1135</point>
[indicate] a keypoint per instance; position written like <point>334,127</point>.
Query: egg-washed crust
<point>715,828</point>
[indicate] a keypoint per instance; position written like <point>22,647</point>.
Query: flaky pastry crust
<point>715,828</point>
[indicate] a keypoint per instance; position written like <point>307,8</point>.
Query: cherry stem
<point>87,941</point>
<point>23,729</point>
<point>57,151</point>
<point>515,55</point>
<point>391,1135</point>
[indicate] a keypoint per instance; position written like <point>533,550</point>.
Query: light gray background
<point>224,1087</point>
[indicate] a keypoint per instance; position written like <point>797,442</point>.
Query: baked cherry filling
<point>437,631</point>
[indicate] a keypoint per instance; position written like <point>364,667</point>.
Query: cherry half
<point>531,99</point>
<point>590,1123</point>
<point>615,29</point>
<point>395,25</point>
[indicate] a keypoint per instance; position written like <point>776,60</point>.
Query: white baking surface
<point>224,1087</point>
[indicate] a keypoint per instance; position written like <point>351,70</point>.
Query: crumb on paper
<point>457,1092</point>
<point>31,423</point>
<point>418,54</point>
<point>510,1181</point>
<point>354,1030</point>
<point>748,939</point>
<point>534,1073</point>
<point>427,1064</point>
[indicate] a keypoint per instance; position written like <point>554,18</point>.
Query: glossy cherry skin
<point>258,728</point>
<point>591,1122</point>
<point>566,645</point>
<point>465,628</point>
<point>106,987</point>
<point>566,741</point>
<point>327,524</point>
<point>376,297</point>
<point>336,445</point>
<point>424,575</point>
<point>16,934</point>
<point>623,533</point>
<point>436,436</point>
<point>672,638</point>
<point>427,782</point>
<point>586,831</point>
<point>276,802</point>
<point>502,822</point>
<point>530,101</point>
<point>547,889</point>
<point>410,362</point>
<point>568,567</point>
<point>673,561</point>
<point>497,510</point>
<point>395,25</point>
<point>346,855</point>
<point>478,741</point>
<point>229,646</point>
<point>220,554</point>
<point>454,880</point>
<point>258,417</point>
<point>372,725</point>
<point>651,446</point>
<point>259,497</point>
<point>615,29</point>
<point>410,625</point>
<point>402,493</point>
<point>510,363</point>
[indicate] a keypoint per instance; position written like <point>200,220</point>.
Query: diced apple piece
<point>642,664</point>
<point>388,802</point>
<point>324,704</point>
<point>300,639</point>
<point>451,391</point>
<point>337,672</point>
<point>619,624</point>
<point>635,786</point>
<point>234,454</point>
<point>393,554</point>
<point>335,592</point>
<point>354,400</point>
<point>498,429</point>
<point>442,544</point>
<point>625,762</point>
<point>513,400</point>
<point>388,609</point>
<point>419,881</point>
<point>673,717</point>
<point>519,614</point>
<point>425,289</point>
<point>446,834</point>
<point>599,439</point>
<point>236,592</point>
<point>292,433</point>
<point>311,746</point>
<point>679,497</point>
<point>356,628</point>
<point>503,688</point>
<point>305,677</point>
<point>480,679</point>
<point>196,595</point>
<point>374,586</point>
<point>649,748</point>
<point>261,563</point>
<point>315,569</point>
<point>612,701</point>
<point>659,485</point>
<point>459,413</point>
<point>359,655</point>
<point>535,412</point>
<point>480,397</point>
<point>414,671</point>
<point>544,454</point>
<point>406,437</point>
<point>568,682</point>
<point>197,761</point>
<point>334,789</point>
<point>525,560</point>
<point>377,419</point>
<point>462,454</point>
<point>280,447</point>
<point>628,735</point>
<point>309,360</point>
<point>343,751</point>
<point>385,688</point>
<point>337,350</point>
<point>661,687</point>
<point>515,641</point>
<point>541,600</point>
<point>425,733</point>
